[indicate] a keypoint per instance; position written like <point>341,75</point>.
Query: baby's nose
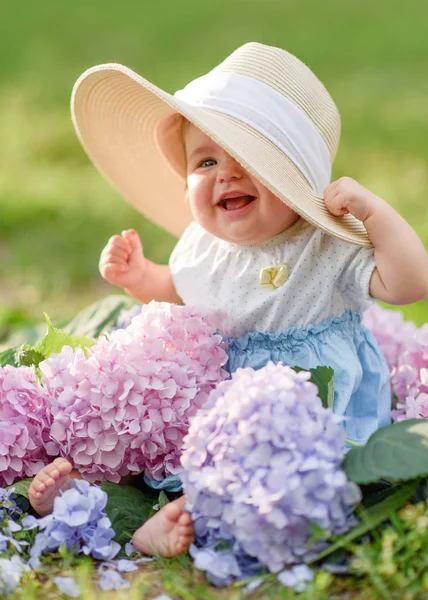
<point>229,169</point>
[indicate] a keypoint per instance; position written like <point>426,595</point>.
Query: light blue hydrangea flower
<point>297,577</point>
<point>111,580</point>
<point>8,506</point>
<point>126,315</point>
<point>11,572</point>
<point>67,586</point>
<point>79,523</point>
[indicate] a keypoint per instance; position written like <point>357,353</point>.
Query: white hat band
<point>268,112</point>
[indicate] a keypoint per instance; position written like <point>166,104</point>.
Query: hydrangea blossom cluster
<point>393,334</point>
<point>125,406</point>
<point>409,379</point>
<point>406,350</point>
<point>78,522</point>
<point>261,464</point>
<point>24,429</point>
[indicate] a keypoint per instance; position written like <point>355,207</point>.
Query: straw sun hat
<point>261,104</point>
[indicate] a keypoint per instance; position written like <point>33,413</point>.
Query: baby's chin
<point>242,236</point>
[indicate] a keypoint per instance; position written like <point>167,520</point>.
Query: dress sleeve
<point>183,262</point>
<point>179,255</point>
<point>353,280</point>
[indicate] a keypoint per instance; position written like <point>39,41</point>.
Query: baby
<point>283,260</point>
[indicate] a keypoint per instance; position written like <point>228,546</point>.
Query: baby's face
<point>227,201</point>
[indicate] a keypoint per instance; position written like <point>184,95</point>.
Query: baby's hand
<point>122,261</point>
<point>347,196</point>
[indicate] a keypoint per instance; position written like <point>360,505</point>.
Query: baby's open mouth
<point>236,203</point>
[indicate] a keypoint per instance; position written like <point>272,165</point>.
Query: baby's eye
<point>207,162</point>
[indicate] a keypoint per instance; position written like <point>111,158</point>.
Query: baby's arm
<point>123,263</point>
<point>401,274</point>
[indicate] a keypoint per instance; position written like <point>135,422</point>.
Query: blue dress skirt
<point>361,375</point>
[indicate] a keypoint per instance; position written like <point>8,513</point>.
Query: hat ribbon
<point>268,112</point>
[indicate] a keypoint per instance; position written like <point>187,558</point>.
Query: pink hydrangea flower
<point>412,408</point>
<point>393,334</point>
<point>406,350</point>
<point>126,405</point>
<point>23,425</point>
<point>409,379</point>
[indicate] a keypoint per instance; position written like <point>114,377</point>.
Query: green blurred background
<point>57,212</point>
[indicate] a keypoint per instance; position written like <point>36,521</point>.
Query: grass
<point>57,212</point>
<point>391,564</point>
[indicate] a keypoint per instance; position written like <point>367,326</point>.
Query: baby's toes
<point>39,487</point>
<point>172,512</point>
<point>63,466</point>
<point>183,540</point>
<point>185,528</point>
<point>36,490</point>
<point>185,520</point>
<point>47,478</point>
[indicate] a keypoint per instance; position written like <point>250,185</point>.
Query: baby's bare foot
<point>47,484</point>
<point>169,532</point>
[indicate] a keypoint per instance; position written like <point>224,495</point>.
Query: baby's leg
<point>168,532</point>
<point>47,484</point>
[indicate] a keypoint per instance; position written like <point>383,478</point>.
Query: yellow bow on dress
<point>272,277</point>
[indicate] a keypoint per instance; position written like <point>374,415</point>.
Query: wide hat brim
<point>125,123</point>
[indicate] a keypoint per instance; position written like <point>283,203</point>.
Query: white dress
<point>312,319</point>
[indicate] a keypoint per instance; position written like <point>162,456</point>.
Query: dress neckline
<point>278,239</point>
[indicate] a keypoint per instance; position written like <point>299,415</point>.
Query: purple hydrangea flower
<point>23,424</point>
<point>11,572</point>
<point>130,549</point>
<point>297,577</point>
<point>78,522</point>
<point>111,580</point>
<point>67,586</point>
<point>123,565</point>
<point>125,406</point>
<point>8,506</point>
<point>126,315</point>
<point>262,462</point>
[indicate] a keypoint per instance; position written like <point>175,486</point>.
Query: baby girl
<point>238,164</point>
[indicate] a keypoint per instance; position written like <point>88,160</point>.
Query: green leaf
<point>55,339</point>
<point>397,452</point>
<point>373,493</point>
<point>369,519</point>
<point>8,357</point>
<point>163,499</point>
<point>318,533</point>
<point>98,317</point>
<point>128,508</point>
<point>323,377</point>
<point>28,356</point>
<point>21,487</point>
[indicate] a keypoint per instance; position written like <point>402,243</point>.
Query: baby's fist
<point>122,261</point>
<point>348,196</point>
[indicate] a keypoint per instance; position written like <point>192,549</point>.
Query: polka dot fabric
<point>326,277</point>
